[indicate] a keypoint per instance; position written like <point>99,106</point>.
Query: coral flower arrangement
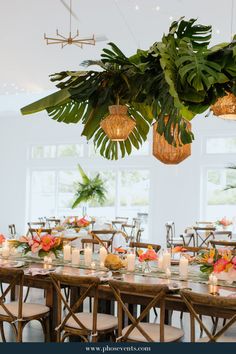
<point>219,261</point>
<point>149,255</point>
<point>224,222</point>
<point>42,245</point>
<point>73,222</point>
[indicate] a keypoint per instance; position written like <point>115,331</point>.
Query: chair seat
<point>171,334</point>
<point>28,310</point>
<point>104,322</point>
<point>222,339</point>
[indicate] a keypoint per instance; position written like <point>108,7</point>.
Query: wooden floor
<point>33,331</point>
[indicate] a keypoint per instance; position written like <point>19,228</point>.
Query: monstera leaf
<point>180,76</point>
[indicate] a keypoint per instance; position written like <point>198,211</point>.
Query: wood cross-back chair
<point>94,242</point>
<point>89,326</point>
<point>110,234</point>
<point>140,245</point>
<point>36,224</point>
<point>171,239</point>
<point>224,307</point>
<point>223,235</point>
<point>119,220</point>
<point>17,313</point>
<point>53,222</point>
<point>139,331</point>
<point>12,230</point>
<point>203,235</point>
<point>129,230</point>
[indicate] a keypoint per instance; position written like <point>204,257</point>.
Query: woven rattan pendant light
<point>166,153</point>
<point>117,125</point>
<point>225,107</point>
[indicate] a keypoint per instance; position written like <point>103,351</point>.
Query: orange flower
<point>2,238</point>
<point>47,242</point>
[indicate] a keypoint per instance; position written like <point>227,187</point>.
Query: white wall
<point>175,190</point>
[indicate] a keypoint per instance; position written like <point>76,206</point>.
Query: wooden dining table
<point>173,300</point>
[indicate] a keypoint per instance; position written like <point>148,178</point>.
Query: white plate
<point>12,264</point>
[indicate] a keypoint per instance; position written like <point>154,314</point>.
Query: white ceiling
<point>26,60</point>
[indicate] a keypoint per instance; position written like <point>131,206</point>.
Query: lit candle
<point>5,249</point>
<point>131,262</point>
<point>87,256</point>
<point>168,273</point>
<point>213,281</point>
<point>75,259</point>
<point>102,254</point>
<point>93,265</point>
<point>160,262</point>
<point>67,252</point>
<point>166,260</point>
<point>183,268</point>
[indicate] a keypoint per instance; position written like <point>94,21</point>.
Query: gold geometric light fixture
<point>225,107</point>
<point>166,153</point>
<point>118,125</point>
<point>63,40</point>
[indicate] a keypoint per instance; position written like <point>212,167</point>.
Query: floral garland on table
<point>218,261</point>
<point>42,244</point>
<point>73,222</point>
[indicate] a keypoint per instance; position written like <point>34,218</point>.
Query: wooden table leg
<point>51,301</point>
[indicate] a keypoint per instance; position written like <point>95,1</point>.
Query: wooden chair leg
<point>2,332</point>
<point>19,332</point>
<point>27,294</point>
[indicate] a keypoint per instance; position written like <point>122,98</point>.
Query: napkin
<point>38,271</point>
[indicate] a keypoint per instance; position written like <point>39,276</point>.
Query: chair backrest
<point>170,233</point>
<point>37,232</point>
<point>13,277</point>
<point>205,223</point>
<point>90,285</point>
<point>222,235</point>
<point>140,245</point>
<point>156,293</point>
<point>93,242</point>
<point>128,229</point>
<point>122,218</point>
<point>52,222</point>
<point>194,302</point>
<point>36,224</point>
<point>220,244</point>
<point>12,229</point>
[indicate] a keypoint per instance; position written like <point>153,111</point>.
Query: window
<point>221,202</point>
<point>53,179</point>
<point>225,145</point>
<point>57,151</point>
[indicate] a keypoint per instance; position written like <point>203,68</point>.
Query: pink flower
<point>220,265</point>
<point>234,260</point>
<point>23,239</point>
<point>35,247</point>
<point>210,260</point>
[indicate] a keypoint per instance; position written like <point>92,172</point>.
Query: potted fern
<point>90,189</point>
